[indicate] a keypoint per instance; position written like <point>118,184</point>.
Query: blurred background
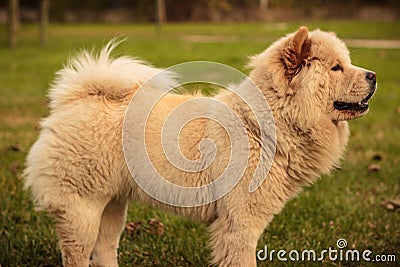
<point>118,11</point>
<point>15,12</point>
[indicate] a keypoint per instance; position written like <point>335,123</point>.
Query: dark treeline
<point>184,10</point>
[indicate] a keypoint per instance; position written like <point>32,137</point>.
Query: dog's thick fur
<point>76,169</point>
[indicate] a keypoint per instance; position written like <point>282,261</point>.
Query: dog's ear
<point>296,51</point>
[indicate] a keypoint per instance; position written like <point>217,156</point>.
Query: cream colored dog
<point>77,170</point>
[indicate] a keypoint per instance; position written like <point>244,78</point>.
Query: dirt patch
<point>373,43</point>
<point>15,120</point>
<point>367,43</point>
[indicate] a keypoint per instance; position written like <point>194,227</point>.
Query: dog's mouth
<point>360,106</point>
<point>344,106</point>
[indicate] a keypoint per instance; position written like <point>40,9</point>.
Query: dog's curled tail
<point>91,74</point>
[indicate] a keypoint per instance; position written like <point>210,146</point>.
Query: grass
<point>346,204</point>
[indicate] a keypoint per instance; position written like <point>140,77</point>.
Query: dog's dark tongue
<point>350,106</point>
<point>342,105</point>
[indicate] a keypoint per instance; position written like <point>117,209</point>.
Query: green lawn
<point>346,204</point>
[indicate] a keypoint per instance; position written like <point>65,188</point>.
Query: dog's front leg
<point>234,240</point>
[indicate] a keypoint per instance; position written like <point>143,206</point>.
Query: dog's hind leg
<point>78,226</point>
<point>111,226</point>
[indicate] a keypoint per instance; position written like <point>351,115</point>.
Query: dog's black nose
<point>371,76</point>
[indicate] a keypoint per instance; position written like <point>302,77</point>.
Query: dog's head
<point>309,75</point>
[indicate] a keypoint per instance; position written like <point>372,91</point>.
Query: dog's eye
<point>337,67</point>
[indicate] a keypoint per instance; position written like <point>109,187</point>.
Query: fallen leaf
<point>371,225</point>
<point>376,236</point>
<point>152,227</point>
<point>156,227</point>
<point>392,204</point>
<point>133,228</point>
<point>374,167</point>
<point>389,206</point>
<point>14,168</point>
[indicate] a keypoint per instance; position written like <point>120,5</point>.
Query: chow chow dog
<point>77,171</point>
